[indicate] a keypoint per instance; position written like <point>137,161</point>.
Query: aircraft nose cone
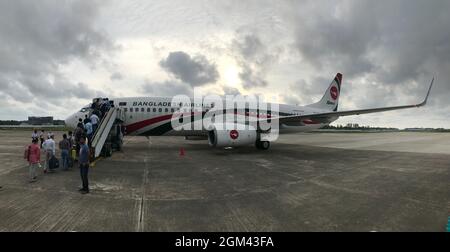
<point>66,121</point>
<point>69,121</point>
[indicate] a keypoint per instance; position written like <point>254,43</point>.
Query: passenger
<point>80,124</point>
<point>84,165</point>
<point>70,138</point>
<point>50,151</point>
<point>106,105</point>
<point>86,119</point>
<point>64,146</point>
<point>41,137</point>
<point>89,132</point>
<point>78,135</point>
<point>34,159</point>
<point>34,135</point>
<point>71,143</point>
<point>97,113</point>
<point>94,121</point>
<point>103,108</point>
<point>96,103</point>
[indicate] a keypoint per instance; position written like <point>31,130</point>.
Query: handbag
<point>53,163</point>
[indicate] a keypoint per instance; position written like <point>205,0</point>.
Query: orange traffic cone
<point>182,152</point>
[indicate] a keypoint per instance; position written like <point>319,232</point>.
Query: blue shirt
<point>84,154</point>
<point>88,128</point>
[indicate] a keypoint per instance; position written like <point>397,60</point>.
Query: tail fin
<point>330,99</point>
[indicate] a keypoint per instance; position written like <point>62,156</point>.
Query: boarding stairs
<point>106,130</point>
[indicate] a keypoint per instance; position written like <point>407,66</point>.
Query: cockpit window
<point>86,108</point>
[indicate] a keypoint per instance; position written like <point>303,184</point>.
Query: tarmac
<point>305,182</point>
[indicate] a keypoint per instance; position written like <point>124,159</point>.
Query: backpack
<point>53,163</point>
<point>78,134</point>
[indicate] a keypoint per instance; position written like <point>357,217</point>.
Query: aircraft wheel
<point>262,145</point>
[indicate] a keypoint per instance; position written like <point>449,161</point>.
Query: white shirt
<point>49,145</point>
<point>34,135</point>
<point>94,119</point>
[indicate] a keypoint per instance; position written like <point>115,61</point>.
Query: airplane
<point>152,116</point>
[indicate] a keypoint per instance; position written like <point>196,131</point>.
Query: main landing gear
<point>262,145</point>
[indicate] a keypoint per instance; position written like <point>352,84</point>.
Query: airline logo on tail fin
<point>330,99</point>
<point>334,93</point>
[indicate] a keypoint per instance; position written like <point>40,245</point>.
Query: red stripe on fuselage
<point>142,124</point>
<point>309,121</point>
<point>139,125</point>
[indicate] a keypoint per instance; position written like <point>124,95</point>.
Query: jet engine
<point>220,135</point>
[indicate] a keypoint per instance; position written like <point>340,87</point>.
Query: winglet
<point>426,97</point>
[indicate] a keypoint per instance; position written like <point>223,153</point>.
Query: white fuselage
<point>151,116</point>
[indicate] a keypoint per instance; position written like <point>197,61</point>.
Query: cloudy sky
<point>55,56</point>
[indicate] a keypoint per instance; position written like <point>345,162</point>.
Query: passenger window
<point>142,109</point>
<point>160,109</point>
<point>167,110</point>
<point>154,110</point>
<point>172,109</point>
<point>125,109</point>
<point>148,109</point>
<point>131,109</point>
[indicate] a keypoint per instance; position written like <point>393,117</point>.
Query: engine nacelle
<point>222,136</point>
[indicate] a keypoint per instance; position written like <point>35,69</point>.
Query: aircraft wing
<point>325,115</point>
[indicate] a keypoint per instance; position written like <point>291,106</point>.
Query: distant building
<point>46,120</point>
<point>58,122</point>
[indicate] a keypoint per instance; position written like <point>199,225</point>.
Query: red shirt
<point>34,155</point>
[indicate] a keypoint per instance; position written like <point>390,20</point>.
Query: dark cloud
<point>82,90</point>
<point>303,93</point>
<point>195,71</point>
<point>167,88</point>
<point>230,91</point>
<point>254,58</point>
<point>250,78</point>
<point>37,38</point>
<point>391,43</point>
<point>116,76</point>
<point>250,46</point>
<point>387,50</point>
<point>330,41</point>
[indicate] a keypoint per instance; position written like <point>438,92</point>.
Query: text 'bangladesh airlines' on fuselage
<point>155,116</point>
